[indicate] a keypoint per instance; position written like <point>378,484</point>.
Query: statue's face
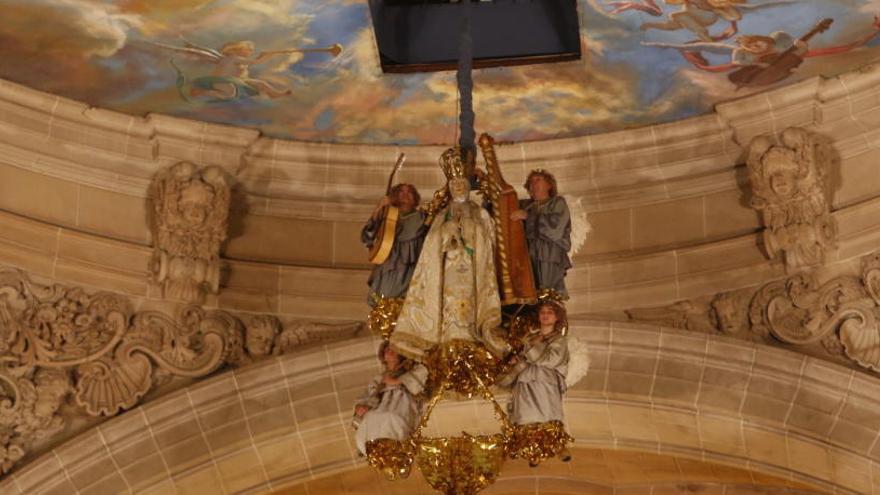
<point>539,188</point>
<point>459,188</point>
<point>406,198</point>
<point>391,358</point>
<point>259,340</point>
<point>194,213</point>
<point>726,313</point>
<point>782,184</point>
<point>195,200</point>
<point>547,316</point>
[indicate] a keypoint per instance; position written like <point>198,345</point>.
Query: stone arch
<point>781,416</point>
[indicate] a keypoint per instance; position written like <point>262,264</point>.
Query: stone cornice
<point>118,152</point>
<point>649,389</point>
<point>637,280</point>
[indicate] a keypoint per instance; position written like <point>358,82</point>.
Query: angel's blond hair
<point>237,47</point>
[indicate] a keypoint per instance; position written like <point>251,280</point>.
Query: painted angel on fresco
<point>761,60</point>
<point>231,79</point>
<point>696,16</point>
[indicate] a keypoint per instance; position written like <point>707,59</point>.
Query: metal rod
<point>467,135</point>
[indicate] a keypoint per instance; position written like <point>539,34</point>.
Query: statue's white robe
<point>453,293</point>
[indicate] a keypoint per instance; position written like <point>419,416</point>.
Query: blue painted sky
<point>118,54</point>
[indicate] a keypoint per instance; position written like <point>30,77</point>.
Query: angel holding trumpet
<point>230,78</point>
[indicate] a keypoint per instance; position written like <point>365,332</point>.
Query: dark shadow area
<point>421,35</point>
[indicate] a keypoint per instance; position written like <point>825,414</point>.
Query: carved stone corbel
<point>788,181</point>
<point>190,211</point>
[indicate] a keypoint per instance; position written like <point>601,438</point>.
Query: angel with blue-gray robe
<point>391,278</point>
<point>548,227</point>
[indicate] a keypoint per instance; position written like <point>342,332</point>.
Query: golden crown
<point>452,165</point>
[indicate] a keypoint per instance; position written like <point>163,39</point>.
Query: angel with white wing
<point>230,79</point>
<point>543,370</point>
<point>548,226</point>
<point>540,369</point>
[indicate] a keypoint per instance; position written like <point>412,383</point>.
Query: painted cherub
<point>746,50</point>
<point>762,51</point>
<point>696,16</point>
<point>231,79</point>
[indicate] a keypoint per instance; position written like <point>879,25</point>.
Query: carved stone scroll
<point>62,345</point>
<point>190,210</point>
<point>802,312</point>
<point>788,180</point>
<point>194,345</point>
<point>839,318</point>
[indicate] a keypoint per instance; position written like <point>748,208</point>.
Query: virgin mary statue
<point>453,294</point>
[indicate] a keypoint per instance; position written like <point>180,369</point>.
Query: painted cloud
<point>639,66</point>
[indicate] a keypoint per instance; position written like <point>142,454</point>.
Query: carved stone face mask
<point>51,390</point>
<point>259,342</point>
<point>260,336</point>
<point>782,184</point>
<point>194,202</point>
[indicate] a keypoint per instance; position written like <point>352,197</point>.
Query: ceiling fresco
<point>309,69</point>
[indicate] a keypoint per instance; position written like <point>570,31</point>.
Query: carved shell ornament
<point>871,276</point>
<point>192,346</point>
<point>860,335</point>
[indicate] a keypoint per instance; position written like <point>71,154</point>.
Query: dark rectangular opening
<point>423,35</point>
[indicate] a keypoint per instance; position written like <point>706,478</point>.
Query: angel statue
<point>231,79</point>
<point>546,363</point>
<point>453,294</point>
<point>540,370</point>
<point>390,407</point>
<point>555,227</point>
